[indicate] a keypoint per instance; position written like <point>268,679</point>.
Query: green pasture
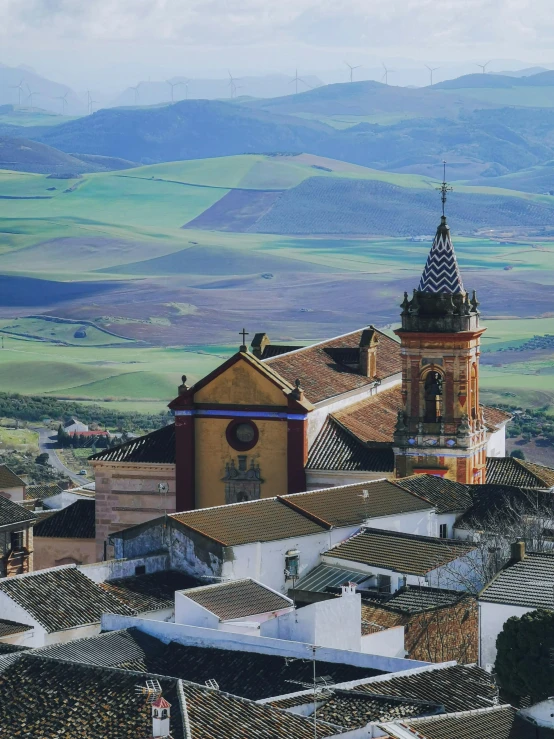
<point>103,373</point>
<point>514,332</point>
<point>53,331</point>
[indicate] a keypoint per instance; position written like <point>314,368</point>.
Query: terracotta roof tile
<point>373,419</point>
<point>75,521</point>
<point>158,447</point>
<point>456,687</point>
<point>375,619</point>
<point>446,495</point>
<point>7,628</point>
<point>12,513</point>
<point>152,592</point>
<point>354,504</point>
<point>40,492</point>
<point>322,376</point>
<point>528,583</point>
<point>61,598</point>
<point>494,417</point>
<point>241,523</point>
<point>511,471</point>
<point>9,479</point>
<point>404,553</point>
<point>351,709</point>
<point>238,599</point>
<point>248,674</point>
<point>497,722</point>
<point>337,448</point>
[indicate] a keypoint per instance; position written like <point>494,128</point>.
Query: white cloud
<point>497,24</point>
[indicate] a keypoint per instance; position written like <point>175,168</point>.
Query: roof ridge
<point>414,537</point>
<point>459,714</point>
<point>327,341</point>
<point>37,573</point>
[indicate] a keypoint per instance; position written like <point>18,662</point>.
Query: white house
<point>525,584</point>
<point>61,604</point>
<point>275,540</point>
<point>391,560</point>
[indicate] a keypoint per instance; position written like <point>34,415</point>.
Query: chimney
<point>160,718</point>
<point>349,588</point>
<point>368,352</point>
<point>259,343</point>
<point>517,551</point>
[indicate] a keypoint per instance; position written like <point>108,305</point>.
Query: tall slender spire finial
<point>445,187</point>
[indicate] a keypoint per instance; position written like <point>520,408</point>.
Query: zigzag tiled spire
<point>441,273</point>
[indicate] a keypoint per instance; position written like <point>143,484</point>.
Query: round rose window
<point>242,435</point>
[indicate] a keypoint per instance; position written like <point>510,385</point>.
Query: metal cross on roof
<point>244,334</point>
<point>445,187</point>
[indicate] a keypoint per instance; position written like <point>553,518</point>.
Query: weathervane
<point>445,187</point>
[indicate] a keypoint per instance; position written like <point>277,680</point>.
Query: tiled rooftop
<point>351,709</point>
<point>12,513</point>
<point>499,722</point>
<point>446,495</point>
<point>456,687</point>
<point>412,599</point>
<point>75,521</point>
<point>150,592</point>
<point>511,471</point>
<point>337,448</point>
<point>158,447</point>
<point>323,375</point>
<point>61,598</point>
<point>506,501</point>
<point>8,628</point>
<point>241,523</point>
<point>247,674</point>
<point>9,479</point>
<point>353,504</point>
<point>41,492</point>
<point>404,553</point>
<point>373,419</point>
<point>238,599</point>
<point>494,417</point>
<point>528,583</point>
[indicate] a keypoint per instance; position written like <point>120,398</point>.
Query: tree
<point>524,655</point>
<point>42,459</point>
<point>517,454</point>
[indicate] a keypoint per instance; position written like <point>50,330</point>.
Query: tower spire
<point>441,273</point>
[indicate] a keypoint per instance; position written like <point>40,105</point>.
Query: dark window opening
<point>16,540</point>
<point>383,583</point>
<point>443,531</point>
<point>433,397</point>
<point>140,570</point>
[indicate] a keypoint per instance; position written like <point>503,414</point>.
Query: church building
<point>276,419</point>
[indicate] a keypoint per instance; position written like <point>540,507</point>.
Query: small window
<point>433,397</point>
<point>401,582</point>
<point>17,540</point>
<point>383,583</point>
<point>291,564</point>
<point>140,570</point>
<point>443,531</point>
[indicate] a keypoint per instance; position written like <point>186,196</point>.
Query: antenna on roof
<point>322,687</point>
<point>151,690</point>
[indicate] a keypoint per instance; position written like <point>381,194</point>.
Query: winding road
<point>46,443</point>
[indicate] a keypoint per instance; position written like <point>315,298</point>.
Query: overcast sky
<point>116,40</point>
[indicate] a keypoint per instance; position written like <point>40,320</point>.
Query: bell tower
<point>440,429</point>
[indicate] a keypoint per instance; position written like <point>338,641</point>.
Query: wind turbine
<point>431,70</point>
<point>351,68</point>
<point>484,66</point>
<point>92,103</point>
<point>19,88</point>
<point>386,75</point>
<point>232,85</point>
<point>173,85</point>
<point>30,95</point>
<point>63,98</point>
<point>136,91</point>
<point>186,84</point>
<point>89,98</point>
<point>296,79</point>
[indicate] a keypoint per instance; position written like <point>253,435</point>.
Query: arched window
<point>433,397</point>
